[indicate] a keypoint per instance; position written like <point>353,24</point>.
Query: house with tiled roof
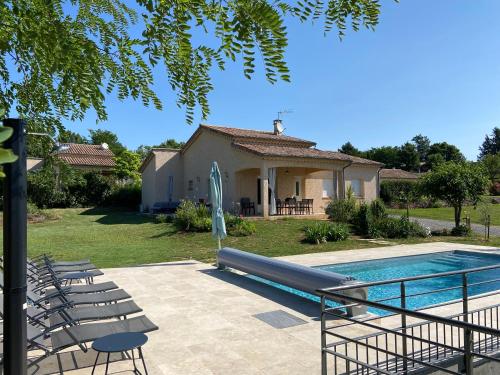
<point>395,174</point>
<point>87,157</point>
<point>81,156</point>
<point>261,167</point>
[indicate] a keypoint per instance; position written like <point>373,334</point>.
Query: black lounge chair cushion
<point>70,263</point>
<point>74,268</point>
<point>89,299</point>
<point>92,331</point>
<point>84,288</point>
<point>86,313</point>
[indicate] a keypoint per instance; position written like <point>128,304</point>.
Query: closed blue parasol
<point>218,224</point>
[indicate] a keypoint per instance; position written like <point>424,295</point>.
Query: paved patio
<point>207,318</point>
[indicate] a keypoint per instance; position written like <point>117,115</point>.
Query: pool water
<point>400,267</point>
<point>393,268</point>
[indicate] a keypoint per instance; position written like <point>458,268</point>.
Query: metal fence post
<point>468,339</point>
<point>403,325</point>
<point>14,247</point>
<point>324,370</point>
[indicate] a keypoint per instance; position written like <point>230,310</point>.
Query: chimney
<point>278,127</point>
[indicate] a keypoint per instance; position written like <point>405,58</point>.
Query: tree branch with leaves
<point>61,58</point>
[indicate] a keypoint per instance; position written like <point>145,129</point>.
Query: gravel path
<point>442,224</point>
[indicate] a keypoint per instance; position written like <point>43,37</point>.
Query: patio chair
<point>279,206</point>
<point>247,207</point>
<point>291,205</point>
<point>79,334</point>
<point>308,205</point>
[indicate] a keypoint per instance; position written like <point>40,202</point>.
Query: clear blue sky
<point>430,67</point>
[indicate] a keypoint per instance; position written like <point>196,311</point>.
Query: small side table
<point>118,343</point>
<point>72,276</point>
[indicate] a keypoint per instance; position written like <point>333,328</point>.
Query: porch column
<point>264,188</point>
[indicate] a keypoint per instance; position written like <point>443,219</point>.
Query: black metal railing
<point>403,340</point>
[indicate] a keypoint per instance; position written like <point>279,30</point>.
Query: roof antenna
<point>278,125</point>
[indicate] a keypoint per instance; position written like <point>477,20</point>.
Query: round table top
<point>76,275</point>
<point>119,342</point>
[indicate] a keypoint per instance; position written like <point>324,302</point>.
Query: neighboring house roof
<point>266,143</point>
<point>397,174</point>
<point>300,152</point>
<point>87,155</point>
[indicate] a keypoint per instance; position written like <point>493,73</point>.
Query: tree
<point>492,165</point>
<point>348,149</point>
<point>434,160</point>
<point>447,151</point>
<point>143,150</point>
<point>408,157</point>
<point>67,136</point>
<point>423,145</point>
<point>127,165</point>
<point>99,136</point>
<point>171,143</point>
<point>59,59</point>
<point>388,155</point>
<point>456,183</point>
<point>491,144</point>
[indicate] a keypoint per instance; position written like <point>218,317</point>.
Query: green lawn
<point>446,213</point>
<point>117,238</point>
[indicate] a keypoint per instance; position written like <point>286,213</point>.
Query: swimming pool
<point>415,265</point>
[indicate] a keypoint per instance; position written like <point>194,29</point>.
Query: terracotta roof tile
<point>87,155</point>
<point>258,135</point>
<point>398,174</point>
<point>299,152</point>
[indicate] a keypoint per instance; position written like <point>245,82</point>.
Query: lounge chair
<point>50,318</point>
<point>54,287</point>
<point>79,335</point>
<point>60,298</point>
<point>46,258</point>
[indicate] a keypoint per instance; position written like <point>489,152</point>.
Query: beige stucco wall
<point>198,159</point>
<point>368,177</point>
<point>148,185</point>
<point>33,164</point>
<point>163,164</point>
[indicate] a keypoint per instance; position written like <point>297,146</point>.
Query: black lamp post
<point>15,252</point>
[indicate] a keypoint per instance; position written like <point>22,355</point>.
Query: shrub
<point>362,219</point>
<point>341,210</point>
<point>322,232</point>
<point>461,231</point>
<point>128,196</point>
<point>389,227</point>
<point>238,227</point>
<point>377,209</point>
<point>163,219</point>
<point>395,193</point>
<point>338,232</point>
<point>191,218</point>
<point>242,229</point>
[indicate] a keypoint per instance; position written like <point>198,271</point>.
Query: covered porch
<point>287,188</point>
